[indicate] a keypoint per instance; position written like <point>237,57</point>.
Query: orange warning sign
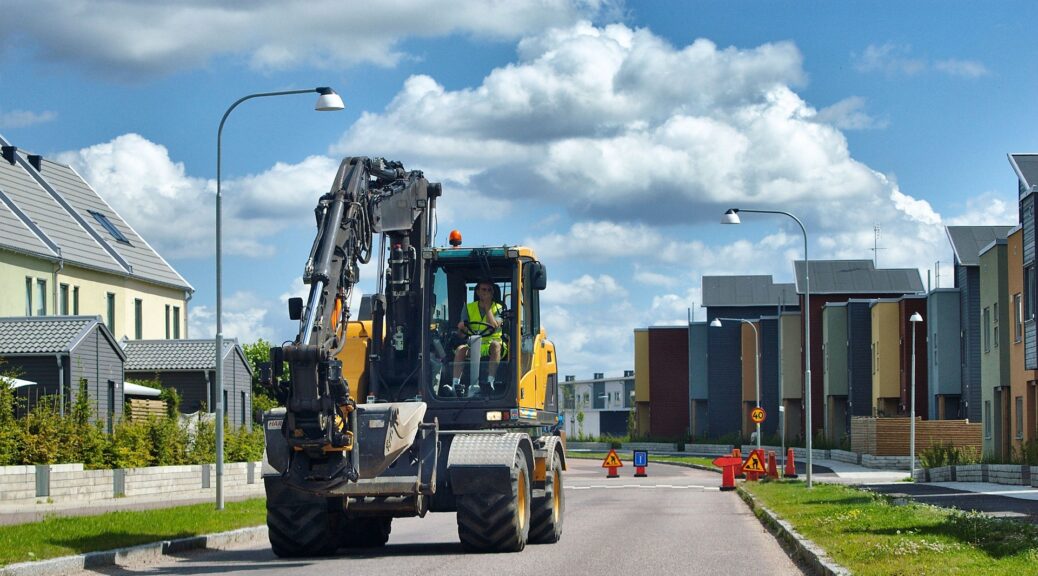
<point>758,415</point>
<point>612,460</point>
<point>754,463</point>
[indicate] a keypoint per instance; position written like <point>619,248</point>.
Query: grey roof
<point>857,277</point>
<point>968,241</point>
<point>48,334</point>
<point>47,213</point>
<point>176,355</point>
<point>746,291</point>
<point>1026,167</point>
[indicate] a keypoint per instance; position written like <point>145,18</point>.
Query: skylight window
<point>107,224</point>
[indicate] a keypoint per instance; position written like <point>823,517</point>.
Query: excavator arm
<point>368,197</point>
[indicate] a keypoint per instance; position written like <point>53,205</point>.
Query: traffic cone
<point>727,478</point>
<point>791,467</point>
<point>738,454</point>
<point>772,468</point>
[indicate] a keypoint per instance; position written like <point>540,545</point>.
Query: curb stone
<point>803,549</point>
<point>143,552</point>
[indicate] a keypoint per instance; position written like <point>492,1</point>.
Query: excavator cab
<point>509,370</point>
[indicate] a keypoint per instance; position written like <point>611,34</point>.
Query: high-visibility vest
<point>474,315</point>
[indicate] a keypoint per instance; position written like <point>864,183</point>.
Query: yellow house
<point>886,366</point>
<point>65,251</point>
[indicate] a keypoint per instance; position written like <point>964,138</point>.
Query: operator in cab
<point>481,316</point>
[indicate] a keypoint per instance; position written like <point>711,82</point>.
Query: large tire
<point>366,532</point>
<point>489,522</point>
<point>547,511</point>
<point>300,524</point>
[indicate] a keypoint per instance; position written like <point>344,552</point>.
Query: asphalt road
<point>990,504</point>
<point>675,521</point>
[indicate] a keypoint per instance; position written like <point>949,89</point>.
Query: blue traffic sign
<point>641,458</point>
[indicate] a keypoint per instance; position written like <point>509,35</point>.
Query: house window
<point>138,319</point>
<point>28,296</point>
<point>111,311</point>
<point>1018,317</point>
<point>107,225</point>
<point>242,408</point>
<point>987,329</point>
<point>111,407</point>
<point>75,300</point>
<point>41,293</point>
<point>1020,417</point>
<point>1030,289</point>
<point>176,322</point>
<point>63,300</point>
<point>167,321</point>
<point>987,419</point>
<point>225,412</point>
<point>994,324</point>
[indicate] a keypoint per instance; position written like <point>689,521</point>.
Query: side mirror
<point>540,276</point>
<point>295,308</point>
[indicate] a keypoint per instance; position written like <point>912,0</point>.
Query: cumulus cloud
<point>130,39</point>
<point>25,118</point>
<point>175,212</point>
<point>244,318</point>
<point>963,68</point>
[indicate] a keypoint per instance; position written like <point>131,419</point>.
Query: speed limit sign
<point>757,415</point>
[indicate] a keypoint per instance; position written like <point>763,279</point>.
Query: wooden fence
<point>141,408</point>
<point>890,436</point>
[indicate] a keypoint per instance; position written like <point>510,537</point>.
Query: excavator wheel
<point>489,522</point>
<point>300,524</point>
<point>366,532</point>
<point>547,511</point>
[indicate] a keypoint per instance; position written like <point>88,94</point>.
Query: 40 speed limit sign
<point>758,415</point>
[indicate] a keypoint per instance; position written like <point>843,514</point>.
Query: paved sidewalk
<point>23,513</point>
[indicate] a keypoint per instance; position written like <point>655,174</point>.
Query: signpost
<point>754,465</point>
<point>641,460</point>
<point>612,462</point>
<point>758,415</point>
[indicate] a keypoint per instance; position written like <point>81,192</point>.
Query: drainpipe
<point>61,385</point>
<point>187,299</point>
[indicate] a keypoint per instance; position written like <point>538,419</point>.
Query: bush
<point>945,454</point>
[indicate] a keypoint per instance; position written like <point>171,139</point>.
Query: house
<point>189,366</point>
<point>994,356</point>
<point>840,281</point>
<point>65,251</point>
<point>597,406</point>
<point>1021,380</point>
<point>834,347</point>
<point>966,243</point>
<point>61,353</point>
<point>739,298</point>
<point>944,359</point>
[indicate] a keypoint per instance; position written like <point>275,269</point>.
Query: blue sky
<point>610,136</point>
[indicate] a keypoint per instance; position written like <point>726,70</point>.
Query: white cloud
<point>244,318</point>
<point>897,60</point>
<point>849,114</point>
<point>129,39</point>
<point>25,118</point>
<point>584,290</point>
<point>963,68</point>
<point>175,213</point>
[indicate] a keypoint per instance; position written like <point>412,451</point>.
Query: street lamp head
<point>916,317</point>
<point>328,100</point>
<point>731,217</point>
<point>716,323</point>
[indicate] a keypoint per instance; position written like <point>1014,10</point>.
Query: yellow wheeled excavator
<point>382,416</point>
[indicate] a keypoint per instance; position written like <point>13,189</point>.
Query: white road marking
<point>642,486</point>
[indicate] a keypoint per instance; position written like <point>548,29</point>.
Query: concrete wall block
<point>17,470</point>
<point>61,468</point>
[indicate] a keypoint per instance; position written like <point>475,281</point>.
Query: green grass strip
<point>64,536</point>
<point>872,534</point>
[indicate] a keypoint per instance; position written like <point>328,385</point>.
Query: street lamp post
<point>915,319</point>
<point>732,217</point>
<point>326,101</point>
<point>756,364</point>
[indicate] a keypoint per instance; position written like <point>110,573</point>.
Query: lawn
<point>63,536</point>
<point>870,535</point>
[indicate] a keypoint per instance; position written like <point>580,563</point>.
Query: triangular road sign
<point>754,464</point>
<point>612,460</point>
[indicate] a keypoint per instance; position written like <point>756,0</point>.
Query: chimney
<point>36,160</point>
<point>599,375</point>
<point>8,153</point>
<point>628,373</point>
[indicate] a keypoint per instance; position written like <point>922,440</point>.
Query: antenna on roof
<point>875,246</point>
